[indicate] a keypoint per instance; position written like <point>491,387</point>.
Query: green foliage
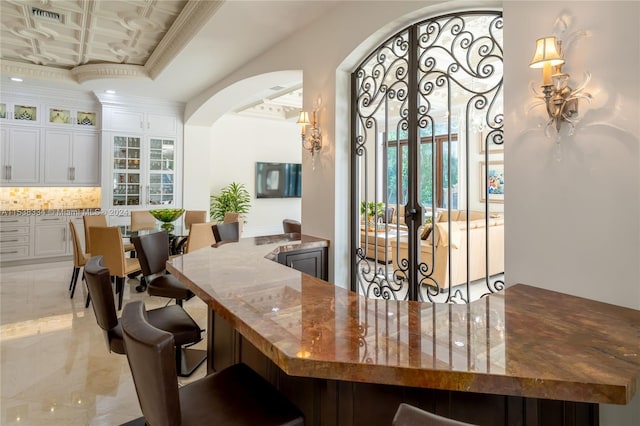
<point>372,209</point>
<point>234,198</point>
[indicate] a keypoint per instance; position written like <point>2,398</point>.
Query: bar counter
<point>525,342</point>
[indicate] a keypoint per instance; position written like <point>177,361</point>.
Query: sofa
<point>438,237</point>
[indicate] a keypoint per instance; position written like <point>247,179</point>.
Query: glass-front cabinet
<point>143,171</point>
<point>161,171</point>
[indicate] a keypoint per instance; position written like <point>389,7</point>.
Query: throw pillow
<point>426,231</point>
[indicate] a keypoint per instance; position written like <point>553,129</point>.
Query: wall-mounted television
<point>278,180</point>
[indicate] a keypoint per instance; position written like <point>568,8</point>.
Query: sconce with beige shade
<point>312,139</point>
<point>560,99</point>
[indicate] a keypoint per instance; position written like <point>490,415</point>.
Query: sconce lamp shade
<point>304,118</point>
<point>546,53</point>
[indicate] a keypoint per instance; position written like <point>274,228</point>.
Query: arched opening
<point>427,162</point>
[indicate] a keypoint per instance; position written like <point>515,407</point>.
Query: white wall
<point>236,143</point>
<point>574,225</point>
<point>197,165</point>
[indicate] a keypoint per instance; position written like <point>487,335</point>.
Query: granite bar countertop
<point>524,341</point>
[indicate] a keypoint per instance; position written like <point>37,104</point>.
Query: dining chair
<point>226,232</point>
<point>231,217</point>
<point>236,395</point>
<point>142,220</point>
<point>408,415</point>
<point>79,258</point>
<point>91,220</point>
<point>107,242</point>
<point>194,216</point>
<point>172,319</point>
<point>291,226</point>
<point>200,235</point>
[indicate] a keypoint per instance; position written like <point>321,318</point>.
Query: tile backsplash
<point>49,198</point>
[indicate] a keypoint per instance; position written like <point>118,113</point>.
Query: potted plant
<point>372,211</point>
<point>234,198</point>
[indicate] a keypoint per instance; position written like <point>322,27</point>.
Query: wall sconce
<point>311,140</point>
<point>560,99</point>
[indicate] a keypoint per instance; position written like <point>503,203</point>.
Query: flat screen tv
<point>278,180</point>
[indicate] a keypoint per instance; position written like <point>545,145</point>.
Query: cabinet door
<point>312,261</point>
<point>127,171</point>
<point>85,159</point>
<point>161,171</point>
<point>22,161</point>
<point>161,124</point>
<point>57,157</point>
<point>127,121</point>
<point>51,240</point>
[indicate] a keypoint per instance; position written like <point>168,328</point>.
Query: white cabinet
<point>20,112</point>
<point>49,138</point>
<point>142,153</point>
<point>71,158</point>
<point>65,117</point>
<point>128,120</point>
<point>143,171</point>
<point>15,238</point>
<point>51,236</point>
<point>20,153</point>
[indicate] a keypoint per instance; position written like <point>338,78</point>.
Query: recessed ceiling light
<point>18,79</point>
<point>111,92</point>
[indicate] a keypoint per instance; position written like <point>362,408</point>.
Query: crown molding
<point>40,72</point>
<point>190,21</point>
<point>89,72</point>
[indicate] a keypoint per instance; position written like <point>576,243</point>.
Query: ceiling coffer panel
<point>66,34</point>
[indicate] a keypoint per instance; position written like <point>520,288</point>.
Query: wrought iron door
<point>426,144</point>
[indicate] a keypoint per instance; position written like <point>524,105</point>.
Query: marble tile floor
<point>55,368</point>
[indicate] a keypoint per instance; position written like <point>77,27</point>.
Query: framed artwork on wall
<point>493,175</point>
<point>493,147</point>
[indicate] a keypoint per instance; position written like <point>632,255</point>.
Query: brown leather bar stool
<point>172,319</point>
<point>234,396</point>
<point>290,226</point>
<point>153,253</point>
<point>408,415</point>
<point>226,232</point>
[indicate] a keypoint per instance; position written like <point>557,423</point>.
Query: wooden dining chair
<point>235,395</point>
<point>194,216</point>
<point>107,242</point>
<point>79,258</point>
<point>142,220</point>
<point>91,220</point>
<point>200,235</point>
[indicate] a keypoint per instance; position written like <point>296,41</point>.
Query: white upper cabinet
<point>20,155</point>
<point>142,154</point>
<point>49,139</point>
<point>132,121</point>
<point>71,158</point>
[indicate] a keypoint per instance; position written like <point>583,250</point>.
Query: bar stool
<point>235,395</point>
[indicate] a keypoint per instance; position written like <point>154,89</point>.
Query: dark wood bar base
<point>333,402</point>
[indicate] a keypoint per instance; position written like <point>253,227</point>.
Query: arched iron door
<point>426,125</point>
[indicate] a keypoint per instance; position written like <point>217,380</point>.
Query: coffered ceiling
<point>151,47</point>
<point>66,34</point>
